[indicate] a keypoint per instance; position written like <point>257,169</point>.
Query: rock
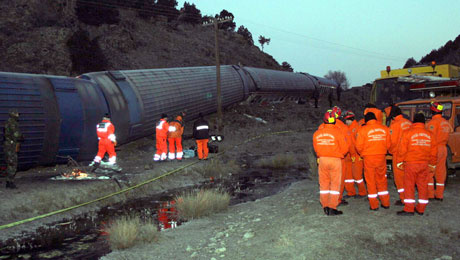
<point>194,254</point>
<point>248,235</point>
<point>446,257</point>
<point>221,250</point>
<point>257,220</point>
<point>189,248</point>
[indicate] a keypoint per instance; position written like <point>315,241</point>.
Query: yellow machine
<point>417,82</point>
<point>444,71</point>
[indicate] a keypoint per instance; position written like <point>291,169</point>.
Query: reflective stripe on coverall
<point>441,129</point>
<point>356,166</point>
<point>330,146</point>
<point>397,126</point>
<point>175,131</point>
<point>372,142</point>
<point>106,136</point>
<point>161,134</point>
<point>417,149</point>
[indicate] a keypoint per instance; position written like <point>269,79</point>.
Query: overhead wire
<point>375,54</point>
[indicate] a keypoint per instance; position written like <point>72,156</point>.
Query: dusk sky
<point>358,37</point>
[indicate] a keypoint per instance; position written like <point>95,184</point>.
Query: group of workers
<point>166,132</point>
<point>172,131</point>
<point>348,149</point>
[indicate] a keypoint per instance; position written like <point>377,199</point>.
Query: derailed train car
<point>58,115</point>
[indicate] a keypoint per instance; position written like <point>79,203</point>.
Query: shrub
<point>216,168</point>
<point>279,161</point>
<point>127,231</point>
<point>192,205</point>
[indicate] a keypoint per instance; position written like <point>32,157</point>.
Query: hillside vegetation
<point>447,54</point>
<point>71,37</point>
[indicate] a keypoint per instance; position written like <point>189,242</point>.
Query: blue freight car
<point>58,115</point>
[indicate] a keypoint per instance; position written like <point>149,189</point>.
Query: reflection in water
<point>167,215</point>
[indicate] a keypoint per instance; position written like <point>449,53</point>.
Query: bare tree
<point>339,77</point>
<point>263,41</point>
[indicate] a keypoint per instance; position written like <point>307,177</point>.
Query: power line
<point>375,54</point>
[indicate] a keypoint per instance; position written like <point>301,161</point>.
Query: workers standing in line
<point>441,130</point>
<point>372,143</point>
<point>161,134</point>
<point>417,153</point>
<point>107,142</point>
<point>330,147</point>
<point>356,161</point>
<point>13,138</point>
<point>201,135</point>
<point>397,126</point>
<point>175,131</point>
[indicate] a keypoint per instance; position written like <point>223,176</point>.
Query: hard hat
<point>329,117</point>
<point>436,107</point>
<point>349,114</point>
<point>337,111</point>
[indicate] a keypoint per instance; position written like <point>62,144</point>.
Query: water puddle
<point>84,237</point>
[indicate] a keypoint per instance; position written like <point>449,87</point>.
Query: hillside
<point>447,54</point>
<point>48,36</point>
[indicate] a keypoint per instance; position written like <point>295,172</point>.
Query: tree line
<point>448,54</point>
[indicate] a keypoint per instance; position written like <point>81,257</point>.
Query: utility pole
<point>216,22</point>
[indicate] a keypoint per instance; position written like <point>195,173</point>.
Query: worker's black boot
<point>333,212</point>
<point>326,210</point>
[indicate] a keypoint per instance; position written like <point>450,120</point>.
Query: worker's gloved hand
<point>432,167</point>
<point>114,143</point>
<point>361,158</point>
<point>400,165</point>
<point>317,161</point>
<point>353,159</point>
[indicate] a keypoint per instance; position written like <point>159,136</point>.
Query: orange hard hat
<point>349,114</point>
<point>329,117</point>
<point>337,111</point>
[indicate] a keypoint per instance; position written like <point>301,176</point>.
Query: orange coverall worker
<point>346,161</point>
<point>107,141</point>
<point>175,131</point>
<point>441,129</point>
<point>161,134</point>
<point>417,150</point>
<point>356,166</point>
<point>372,143</point>
<point>377,112</point>
<point>397,126</point>
<point>330,146</point>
